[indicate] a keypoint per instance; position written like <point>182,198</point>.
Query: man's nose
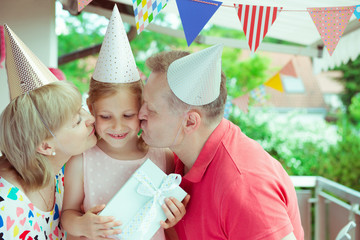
<point>142,113</point>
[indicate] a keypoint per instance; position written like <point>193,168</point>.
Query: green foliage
<point>243,75</point>
<point>305,150</point>
<point>350,80</point>
<point>80,33</point>
<point>354,108</point>
<point>343,158</point>
<point>320,154</point>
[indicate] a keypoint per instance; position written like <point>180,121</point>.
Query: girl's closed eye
<point>129,115</point>
<point>105,117</point>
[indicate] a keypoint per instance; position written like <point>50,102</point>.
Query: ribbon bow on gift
<point>144,217</point>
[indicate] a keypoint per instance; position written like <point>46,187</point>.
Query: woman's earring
<point>53,153</point>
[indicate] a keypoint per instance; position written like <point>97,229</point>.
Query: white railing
<point>326,207</point>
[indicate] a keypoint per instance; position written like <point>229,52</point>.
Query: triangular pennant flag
<point>275,83</point>
<point>194,15</point>
<point>258,94</point>
<point>242,102</point>
<point>289,69</point>
<point>331,23</point>
<point>82,4</point>
<point>357,12</point>
<point>256,22</point>
<point>145,11</point>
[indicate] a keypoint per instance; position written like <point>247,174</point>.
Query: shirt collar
<point>207,152</point>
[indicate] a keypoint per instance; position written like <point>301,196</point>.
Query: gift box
<point>138,203</point>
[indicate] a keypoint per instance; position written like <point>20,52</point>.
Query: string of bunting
<point>256,20</point>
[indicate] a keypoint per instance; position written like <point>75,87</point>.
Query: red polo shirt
<point>238,191</point>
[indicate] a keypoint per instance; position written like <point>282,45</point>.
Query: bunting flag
<point>227,109</point>
<point>194,15</point>
<point>258,94</point>
<point>2,46</point>
<point>256,22</point>
<point>357,12</point>
<point>242,102</point>
<point>275,83</point>
<point>289,69</point>
<point>82,4</point>
<point>331,23</point>
<point>145,12</point>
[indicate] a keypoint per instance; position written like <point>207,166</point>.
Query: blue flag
<point>194,15</point>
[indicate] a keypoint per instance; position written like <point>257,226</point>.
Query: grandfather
<point>238,191</point>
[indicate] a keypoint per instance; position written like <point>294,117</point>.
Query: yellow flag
<point>275,83</point>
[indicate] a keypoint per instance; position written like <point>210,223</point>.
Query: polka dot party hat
<point>25,72</point>
<point>195,79</point>
<point>116,63</point>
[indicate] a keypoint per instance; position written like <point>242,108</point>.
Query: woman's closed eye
<point>79,121</point>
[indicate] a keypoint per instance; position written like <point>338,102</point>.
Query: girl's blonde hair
<point>98,90</point>
<point>22,130</point>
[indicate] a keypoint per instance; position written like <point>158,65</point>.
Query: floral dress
<point>20,219</point>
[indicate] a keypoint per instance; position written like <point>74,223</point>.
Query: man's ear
<point>45,148</point>
<point>192,121</point>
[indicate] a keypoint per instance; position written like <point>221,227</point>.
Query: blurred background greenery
<point>326,149</point>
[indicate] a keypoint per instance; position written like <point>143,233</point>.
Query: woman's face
<point>77,134</point>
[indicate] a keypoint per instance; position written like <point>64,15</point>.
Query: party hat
<point>195,79</point>
<point>116,63</point>
<point>25,72</point>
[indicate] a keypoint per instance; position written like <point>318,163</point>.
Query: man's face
<point>159,123</point>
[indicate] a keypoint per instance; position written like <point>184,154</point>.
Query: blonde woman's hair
<point>213,111</point>
<point>22,129</point>
<point>99,90</point>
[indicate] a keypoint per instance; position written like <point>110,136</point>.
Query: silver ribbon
<point>145,216</point>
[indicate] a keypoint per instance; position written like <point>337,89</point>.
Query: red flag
<point>289,69</point>
<point>256,22</point>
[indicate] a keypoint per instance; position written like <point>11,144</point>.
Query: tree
<point>80,33</point>
<point>350,80</point>
<point>243,75</point>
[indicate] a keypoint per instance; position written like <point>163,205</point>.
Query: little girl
<point>92,179</point>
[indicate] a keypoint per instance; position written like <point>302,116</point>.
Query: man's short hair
<point>213,111</point>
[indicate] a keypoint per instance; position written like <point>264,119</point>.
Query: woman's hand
<point>174,211</point>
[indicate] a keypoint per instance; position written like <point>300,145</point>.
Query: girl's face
<point>116,118</point>
<point>77,134</point>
